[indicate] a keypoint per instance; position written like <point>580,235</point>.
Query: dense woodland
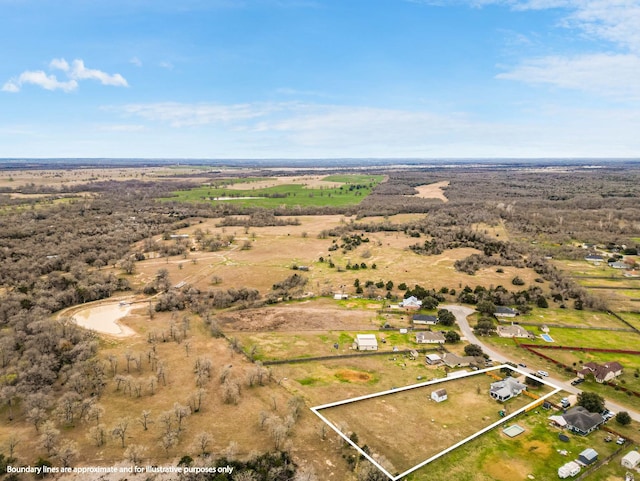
<point>51,257</point>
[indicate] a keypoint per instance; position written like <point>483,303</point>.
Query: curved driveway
<point>461,313</point>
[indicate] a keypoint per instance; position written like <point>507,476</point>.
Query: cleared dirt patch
<point>348,375</point>
<point>433,191</point>
<point>310,181</point>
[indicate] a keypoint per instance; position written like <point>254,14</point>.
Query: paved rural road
<point>461,313</point>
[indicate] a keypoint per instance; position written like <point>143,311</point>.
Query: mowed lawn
<point>536,452</point>
<point>407,428</point>
<point>571,317</point>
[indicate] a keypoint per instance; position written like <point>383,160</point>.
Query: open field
<point>275,249</point>
<point>570,317</point>
<point>436,190</point>
<point>289,192</point>
<point>388,428</point>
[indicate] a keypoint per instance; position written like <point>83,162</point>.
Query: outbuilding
<point>439,395</point>
<point>631,460</point>
<point>366,342</point>
<point>588,456</point>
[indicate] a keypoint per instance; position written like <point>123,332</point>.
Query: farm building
<point>594,258</point>
<point>601,372</point>
<point>340,297</point>
<point>588,456</point>
<point>366,342</point>
<point>581,421</point>
<point>504,311</point>
<point>424,319</point>
<point>430,337</point>
<point>506,389</point>
<point>439,395</point>
<point>568,470</point>
<point>514,330</point>
<point>631,460</point>
<point>433,359</point>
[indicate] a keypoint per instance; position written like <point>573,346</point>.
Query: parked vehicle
<point>542,373</point>
<point>577,381</point>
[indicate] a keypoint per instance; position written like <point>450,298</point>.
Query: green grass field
<point>354,190</point>
<point>571,317</point>
<point>496,457</point>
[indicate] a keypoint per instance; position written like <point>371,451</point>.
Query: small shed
<point>631,460</point>
<point>568,470</point>
<point>439,395</point>
<point>433,359</point>
<point>588,456</point>
<point>366,342</point>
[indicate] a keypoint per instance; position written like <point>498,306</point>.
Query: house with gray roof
<point>581,421</point>
<point>514,330</point>
<point>506,389</point>
<point>429,337</point>
<point>504,311</point>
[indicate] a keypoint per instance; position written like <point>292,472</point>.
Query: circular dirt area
<point>348,375</point>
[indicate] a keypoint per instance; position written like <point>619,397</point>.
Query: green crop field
<point>287,195</point>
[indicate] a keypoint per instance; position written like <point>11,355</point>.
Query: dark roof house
<point>581,421</point>
<point>601,372</point>
<point>424,319</point>
<point>504,311</point>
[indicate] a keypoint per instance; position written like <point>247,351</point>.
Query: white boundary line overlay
<point>317,409</point>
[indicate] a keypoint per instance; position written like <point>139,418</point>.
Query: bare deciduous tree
<point>49,438</point>
<point>119,430</point>
<point>134,453</point>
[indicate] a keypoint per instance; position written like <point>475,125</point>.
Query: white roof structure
<point>559,420</point>
<point>631,459</point>
<point>366,341</point>
<point>570,469</point>
<point>433,357</point>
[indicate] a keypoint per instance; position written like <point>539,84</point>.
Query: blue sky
<point>320,78</point>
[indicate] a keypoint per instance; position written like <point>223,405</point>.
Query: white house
<point>568,470</point>
<point>430,337</point>
<point>439,395</point>
<point>411,303</point>
<point>506,389</point>
<point>366,342</point>
<point>630,460</point>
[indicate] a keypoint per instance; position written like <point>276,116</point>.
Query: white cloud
<point>122,128</point>
<point>59,64</point>
<point>80,72</point>
<point>184,115</point>
<point>613,75</point>
<point>167,65</point>
<point>135,61</point>
<point>76,72</point>
<point>41,79</point>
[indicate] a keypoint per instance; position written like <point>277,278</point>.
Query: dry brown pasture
<point>433,191</point>
<point>275,249</point>
<point>407,428</point>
